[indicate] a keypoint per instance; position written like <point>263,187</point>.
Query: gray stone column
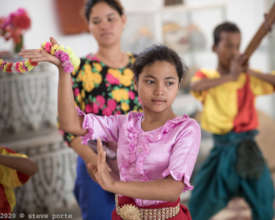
<point>28,119</point>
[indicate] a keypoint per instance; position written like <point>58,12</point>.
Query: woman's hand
<point>40,55</point>
<point>102,171</point>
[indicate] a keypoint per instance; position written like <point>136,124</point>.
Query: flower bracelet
<point>68,59</point>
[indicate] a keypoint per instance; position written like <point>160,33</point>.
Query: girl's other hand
<point>103,172</point>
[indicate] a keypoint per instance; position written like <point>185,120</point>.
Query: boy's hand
<point>238,66</point>
<point>235,67</point>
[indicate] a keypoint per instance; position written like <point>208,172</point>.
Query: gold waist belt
<point>131,212</point>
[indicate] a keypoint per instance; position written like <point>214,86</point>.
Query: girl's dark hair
<point>159,53</point>
<point>115,4</point>
<point>224,27</point>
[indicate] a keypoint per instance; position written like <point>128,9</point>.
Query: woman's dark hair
<point>159,53</point>
<point>115,4</point>
<point>224,27</point>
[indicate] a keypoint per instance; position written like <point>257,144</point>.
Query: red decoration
<point>14,26</point>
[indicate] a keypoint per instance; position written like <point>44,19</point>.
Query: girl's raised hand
<point>40,55</point>
<point>103,172</point>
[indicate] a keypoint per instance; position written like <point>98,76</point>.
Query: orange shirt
<point>9,179</point>
<point>230,106</point>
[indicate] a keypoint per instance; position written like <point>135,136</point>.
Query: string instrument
<point>260,34</point>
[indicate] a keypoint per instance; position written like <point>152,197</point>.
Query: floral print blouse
<point>103,90</point>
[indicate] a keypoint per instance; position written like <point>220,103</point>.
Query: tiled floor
<point>237,209</point>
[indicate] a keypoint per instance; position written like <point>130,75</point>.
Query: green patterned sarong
<point>218,181</point>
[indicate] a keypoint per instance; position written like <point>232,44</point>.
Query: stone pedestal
<point>28,101</point>
<point>28,122</point>
<point>50,189</point>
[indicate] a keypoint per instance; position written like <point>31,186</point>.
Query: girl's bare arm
<point>21,164</point>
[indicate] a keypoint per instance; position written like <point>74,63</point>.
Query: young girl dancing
<point>157,150</point>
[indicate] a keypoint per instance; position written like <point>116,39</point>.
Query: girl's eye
<point>111,19</point>
<point>149,82</point>
<point>170,83</point>
<point>96,22</point>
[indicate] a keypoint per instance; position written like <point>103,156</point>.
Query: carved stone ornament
<point>50,189</point>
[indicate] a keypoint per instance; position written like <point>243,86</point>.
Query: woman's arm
<point>166,189</point>
<point>266,77</point>
<point>21,164</point>
<point>85,152</point>
<point>90,157</point>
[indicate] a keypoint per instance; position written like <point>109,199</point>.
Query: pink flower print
<point>100,101</point>
<point>139,100</point>
<point>118,113</point>
<point>111,79</point>
<point>76,92</point>
<point>107,111</point>
<point>95,108</point>
<point>88,108</point>
<point>131,95</point>
<point>92,57</point>
<point>111,104</point>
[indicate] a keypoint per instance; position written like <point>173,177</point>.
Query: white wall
<point>248,14</point>
<point>44,25</point>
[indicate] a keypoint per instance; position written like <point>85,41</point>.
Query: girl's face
<point>106,24</point>
<point>157,86</point>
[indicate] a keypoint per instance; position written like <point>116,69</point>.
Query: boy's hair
<point>115,4</point>
<point>224,27</point>
<point>159,53</point>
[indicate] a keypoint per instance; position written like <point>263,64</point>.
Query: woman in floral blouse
<point>102,85</point>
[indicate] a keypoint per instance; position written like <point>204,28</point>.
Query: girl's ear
<point>90,27</point>
<point>214,47</point>
<point>180,83</point>
<point>124,19</point>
